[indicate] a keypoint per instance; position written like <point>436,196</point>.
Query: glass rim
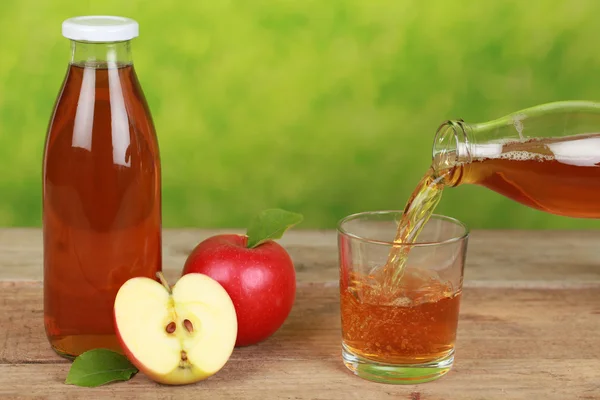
<point>454,239</point>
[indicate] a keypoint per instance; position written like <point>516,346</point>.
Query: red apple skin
<point>260,281</point>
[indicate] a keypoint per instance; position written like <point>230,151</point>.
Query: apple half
<point>177,335</point>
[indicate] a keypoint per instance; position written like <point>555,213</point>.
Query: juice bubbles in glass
<point>414,325</point>
<point>404,330</point>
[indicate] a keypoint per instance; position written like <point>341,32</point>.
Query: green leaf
<point>270,224</point>
<point>99,366</point>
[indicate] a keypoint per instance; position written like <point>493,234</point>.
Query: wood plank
<point>529,324</point>
<point>508,258</point>
<point>495,324</point>
<point>487,379</point>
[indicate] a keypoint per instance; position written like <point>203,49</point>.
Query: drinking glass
<point>403,334</point>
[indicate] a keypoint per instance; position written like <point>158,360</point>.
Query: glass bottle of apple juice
<point>101,187</point>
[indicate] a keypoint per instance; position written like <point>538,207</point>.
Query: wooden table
<point>529,326</point>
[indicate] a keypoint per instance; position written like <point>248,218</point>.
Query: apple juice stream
<point>101,197</point>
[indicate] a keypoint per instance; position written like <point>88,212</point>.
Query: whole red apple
<point>261,281</point>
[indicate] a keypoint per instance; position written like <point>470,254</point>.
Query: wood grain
<point>327,380</point>
<point>529,327</point>
<point>522,343</point>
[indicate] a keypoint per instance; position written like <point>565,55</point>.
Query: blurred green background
<point>324,107</point>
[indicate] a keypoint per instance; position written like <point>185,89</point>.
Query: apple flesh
<point>176,335</point>
<point>261,281</point>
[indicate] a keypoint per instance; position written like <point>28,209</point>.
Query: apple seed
<point>183,355</point>
<point>171,327</point>
<point>188,325</point>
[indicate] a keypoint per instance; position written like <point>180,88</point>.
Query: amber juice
<point>418,209</point>
<point>101,203</point>
<point>415,325</point>
<point>397,314</point>
<point>559,176</point>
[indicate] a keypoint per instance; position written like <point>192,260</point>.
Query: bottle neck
<point>451,148</point>
<point>101,55</point>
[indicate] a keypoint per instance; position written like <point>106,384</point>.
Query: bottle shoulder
<point>104,113</point>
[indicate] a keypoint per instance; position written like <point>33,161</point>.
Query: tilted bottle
<point>546,157</point>
<point>101,187</point>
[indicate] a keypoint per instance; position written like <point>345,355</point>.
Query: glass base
<point>406,374</point>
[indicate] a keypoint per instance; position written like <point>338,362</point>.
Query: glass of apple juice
<point>400,330</point>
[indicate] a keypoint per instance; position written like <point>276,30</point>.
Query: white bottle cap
<point>100,28</point>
